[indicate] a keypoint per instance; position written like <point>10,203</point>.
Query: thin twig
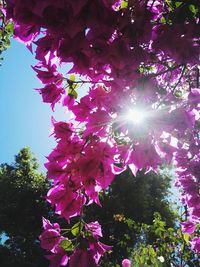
<point>181,76</point>
<point>170,69</point>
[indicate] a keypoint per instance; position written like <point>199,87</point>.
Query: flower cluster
<point>134,55</point>
<point>87,252</point>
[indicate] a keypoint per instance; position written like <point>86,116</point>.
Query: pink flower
<point>51,94</point>
<point>62,130</point>
<point>82,258</point>
<point>51,237</point>
<point>95,228</point>
<point>59,258</point>
<point>98,249</point>
<point>55,171</point>
<point>47,74</point>
<point>144,155</point>
<point>194,97</point>
<point>126,263</point>
<point>68,203</point>
<point>83,109</point>
<point>195,244</point>
<point>47,225</point>
<point>26,33</point>
<point>188,227</point>
<point>45,45</point>
<point>97,123</point>
<point>68,101</point>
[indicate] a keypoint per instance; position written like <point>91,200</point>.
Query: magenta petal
<point>133,168</point>
<point>188,227</point>
<point>64,260</point>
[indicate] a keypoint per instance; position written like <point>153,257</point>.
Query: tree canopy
<point>22,205</point>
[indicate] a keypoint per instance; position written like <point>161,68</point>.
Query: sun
<point>135,116</point>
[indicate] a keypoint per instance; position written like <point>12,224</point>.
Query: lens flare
<point>135,116</point>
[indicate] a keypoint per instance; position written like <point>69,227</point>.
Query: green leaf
<point>130,222</point>
<point>10,28</point>
<point>178,93</point>
<point>66,245</point>
<point>72,86</point>
<point>179,233</point>
<point>163,20</point>
<point>7,43</point>
<point>72,93</point>
<point>141,69</point>
<point>127,237</point>
<point>124,4</point>
<point>76,229</point>
<point>193,9</point>
<point>72,77</point>
<point>88,234</point>
<point>169,3</point>
<point>186,238</point>
<point>178,3</point>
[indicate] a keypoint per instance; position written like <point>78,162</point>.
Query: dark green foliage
<point>126,205</point>
<point>181,11</point>
<point>22,205</point>
<point>6,31</point>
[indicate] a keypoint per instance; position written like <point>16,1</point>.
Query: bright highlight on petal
<point>136,116</point>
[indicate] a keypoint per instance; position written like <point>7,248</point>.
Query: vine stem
<point>197,77</point>
<point>85,82</point>
<point>181,76</point>
<point>170,69</point>
<point>173,90</point>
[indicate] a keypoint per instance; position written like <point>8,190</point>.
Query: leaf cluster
<point>169,248</point>
<point>6,32</point>
<point>127,207</point>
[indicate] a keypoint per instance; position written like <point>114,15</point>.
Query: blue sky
<point>24,119</point>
